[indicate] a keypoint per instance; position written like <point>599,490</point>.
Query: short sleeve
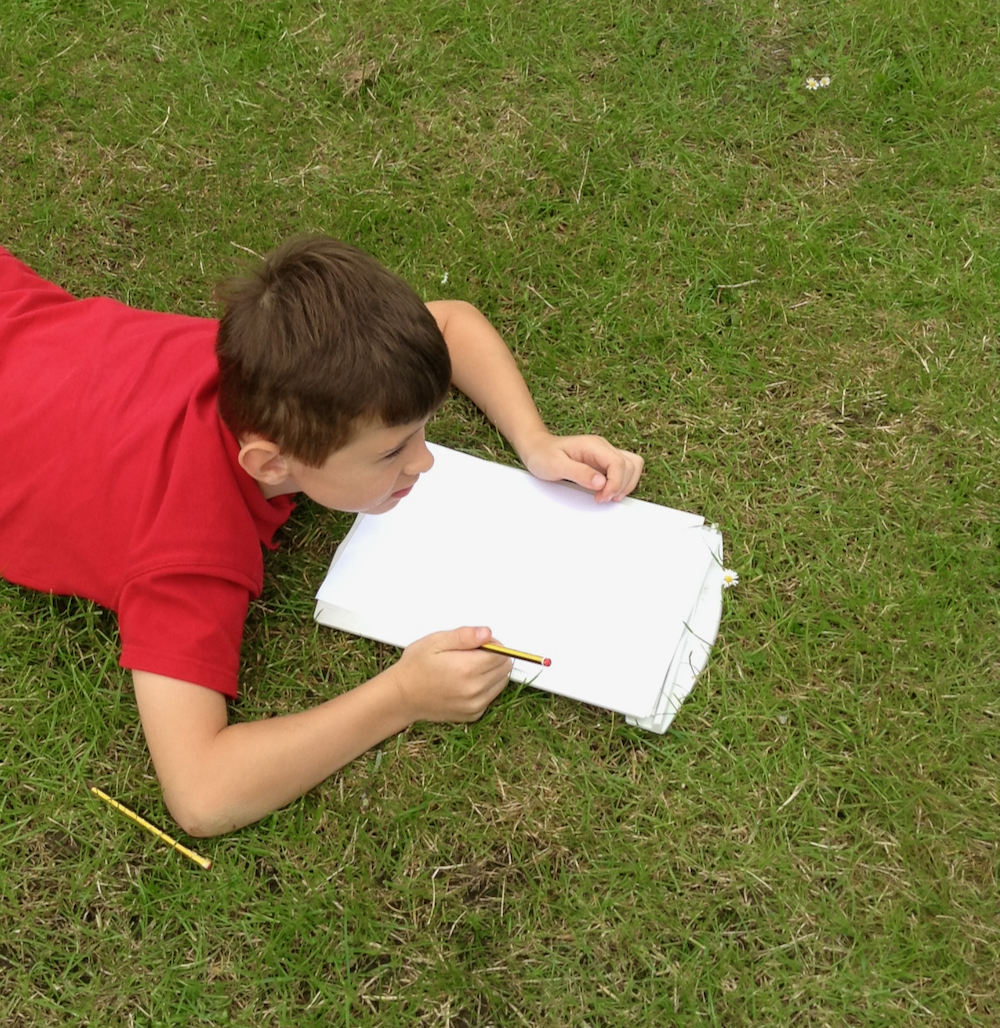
<point>184,625</point>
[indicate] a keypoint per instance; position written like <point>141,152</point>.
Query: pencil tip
<point>546,662</point>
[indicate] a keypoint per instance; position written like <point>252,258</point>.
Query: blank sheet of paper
<point>603,590</point>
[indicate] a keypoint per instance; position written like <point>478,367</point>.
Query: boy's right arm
<point>217,777</point>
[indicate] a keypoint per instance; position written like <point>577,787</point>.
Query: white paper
<point>603,590</point>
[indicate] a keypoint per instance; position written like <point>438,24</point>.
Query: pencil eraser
<point>546,662</point>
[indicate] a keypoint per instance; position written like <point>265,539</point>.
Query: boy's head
<point>320,339</point>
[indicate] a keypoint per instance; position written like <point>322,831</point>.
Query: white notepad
<point>624,598</point>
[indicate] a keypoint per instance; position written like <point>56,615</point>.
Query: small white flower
<point>824,81</point>
<point>811,83</point>
<point>729,578</point>
<point>444,279</point>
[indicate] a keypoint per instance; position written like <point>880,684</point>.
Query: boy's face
<point>371,473</point>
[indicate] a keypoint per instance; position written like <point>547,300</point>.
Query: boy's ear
<point>263,461</point>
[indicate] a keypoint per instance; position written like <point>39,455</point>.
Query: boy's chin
<point>390,501</point>
<point>385,506</point>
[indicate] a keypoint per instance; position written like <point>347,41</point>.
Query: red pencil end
<point>546,662</point>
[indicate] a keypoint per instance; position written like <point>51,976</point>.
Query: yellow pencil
<point>152,829</point>
<point>516,654</point>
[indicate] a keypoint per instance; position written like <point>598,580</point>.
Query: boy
<point>152,454</point>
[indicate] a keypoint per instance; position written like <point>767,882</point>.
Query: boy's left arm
<point>484,369</point>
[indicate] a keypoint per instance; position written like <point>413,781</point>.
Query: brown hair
<point>320,337</point>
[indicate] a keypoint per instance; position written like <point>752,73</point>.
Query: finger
<point>602,467</point>
<point>630,479</point>
<point>623,476</point>
<point>494,666</point>
<point>579,473</point>
<point>617,474</point>
<point>497,684</point>
<point>499,661</point>
<point>501,665</point>
<point>501,683</point>
<point>465,638</point>
<point>490,687</point>
<point>612,484</point>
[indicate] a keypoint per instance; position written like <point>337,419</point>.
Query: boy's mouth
<point>402,493</point>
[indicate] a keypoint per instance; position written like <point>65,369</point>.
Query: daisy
<point>811,83</point>
<point>824,81</point>
<point>729,578</point>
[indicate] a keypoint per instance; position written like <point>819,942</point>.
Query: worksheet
<point>621,597</point>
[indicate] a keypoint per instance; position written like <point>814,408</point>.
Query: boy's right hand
<point>447,677</point>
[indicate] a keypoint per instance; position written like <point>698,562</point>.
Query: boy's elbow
<point>200,812</point>
<point>204,827</point>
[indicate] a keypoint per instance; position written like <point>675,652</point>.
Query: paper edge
<point>695,646</point>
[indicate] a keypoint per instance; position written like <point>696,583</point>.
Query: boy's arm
<point>484,369</point>
<point>217,777</point>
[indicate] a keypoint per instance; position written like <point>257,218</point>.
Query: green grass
<point>785,300</point>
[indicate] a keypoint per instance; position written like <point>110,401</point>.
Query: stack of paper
<point>624,598</point>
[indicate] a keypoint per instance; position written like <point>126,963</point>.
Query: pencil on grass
<point>203,862</point>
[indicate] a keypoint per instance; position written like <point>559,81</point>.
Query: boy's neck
<point>270,491</point>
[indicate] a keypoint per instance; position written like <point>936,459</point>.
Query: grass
<point>785,300</point>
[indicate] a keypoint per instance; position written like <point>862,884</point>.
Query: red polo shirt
<point>121,482</point>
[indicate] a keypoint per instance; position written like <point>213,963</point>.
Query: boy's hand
<point>588,460</point>
<point>446,677</point>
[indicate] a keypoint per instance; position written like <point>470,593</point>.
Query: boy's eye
<point>395,453</point>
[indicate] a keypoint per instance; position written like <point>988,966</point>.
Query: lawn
<point>785,298</point>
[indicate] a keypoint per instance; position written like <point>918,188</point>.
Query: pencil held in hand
<point>516,654</point>
<point>203,862</point>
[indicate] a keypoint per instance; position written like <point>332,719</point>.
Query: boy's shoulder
<point>113,411</point>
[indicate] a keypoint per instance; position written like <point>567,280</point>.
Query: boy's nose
<point>423,460</point>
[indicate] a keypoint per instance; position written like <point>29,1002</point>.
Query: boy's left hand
<point>588,460</point>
